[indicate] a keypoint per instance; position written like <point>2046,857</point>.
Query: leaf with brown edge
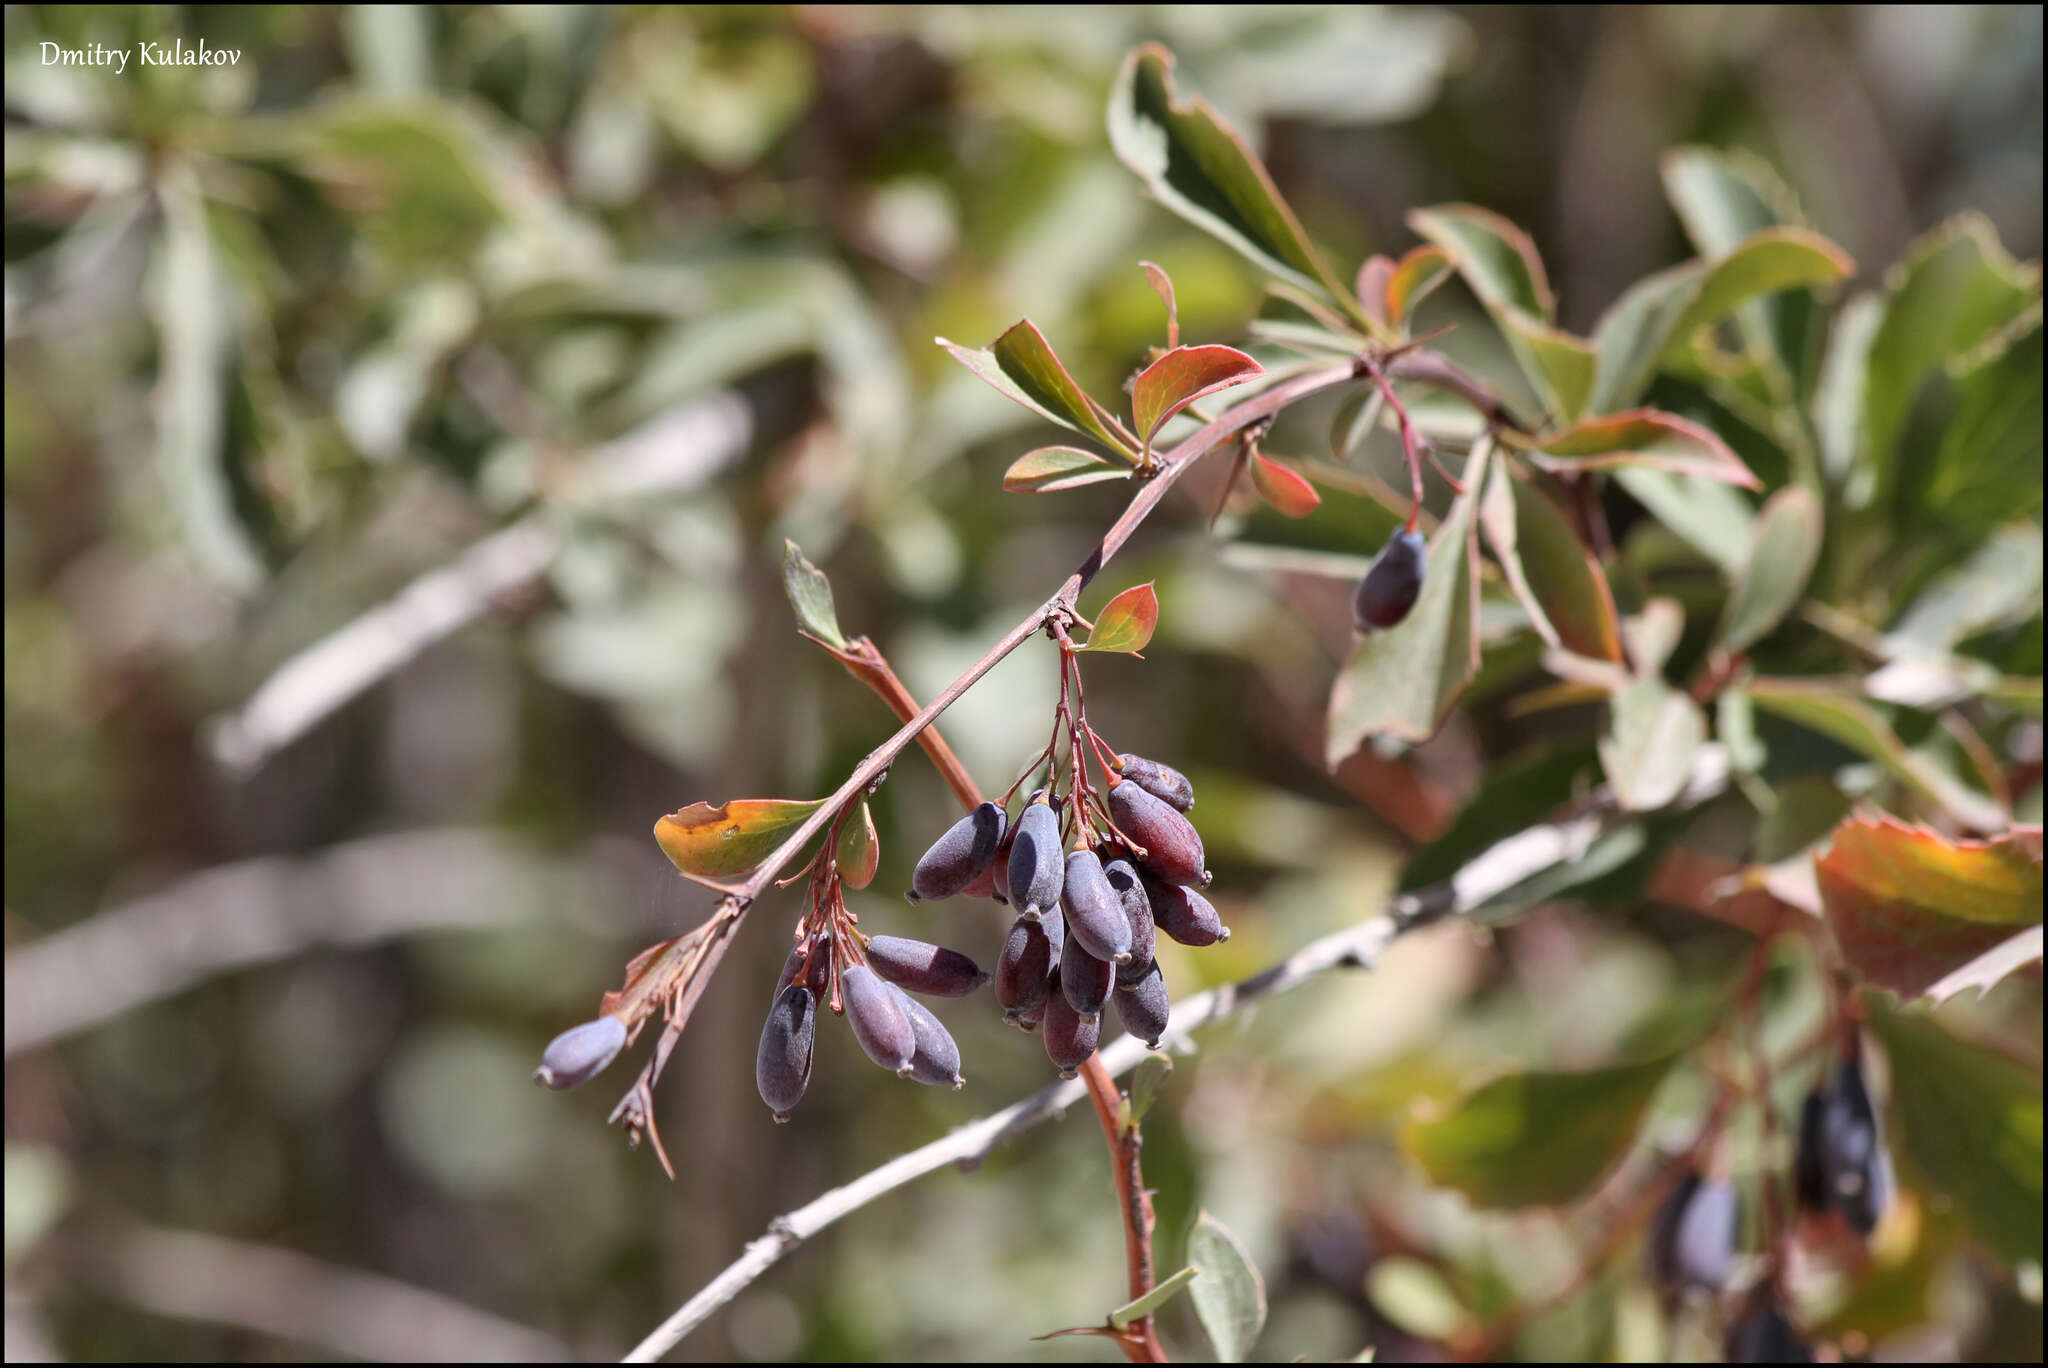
<point>715,845</point>
<point>1163,284</point>
<point>1182,376</point>
<point>1022,366</point>
<point>1373,274</point>
<point>1050,469</point>
<point>1127,622</point>
<point>1414,276</point>
<point>1646,438</point>
<point>1284,488</point>
<point>1910,907</point>
<point>859,851</point>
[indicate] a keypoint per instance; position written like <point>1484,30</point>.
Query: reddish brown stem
<point>1141,1344</point>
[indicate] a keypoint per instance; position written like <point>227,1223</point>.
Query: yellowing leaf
<point>1054,468</point>
<point>715,845</point>
<point>1127,623</point>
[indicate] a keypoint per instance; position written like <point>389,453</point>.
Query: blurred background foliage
<point>598,305</point>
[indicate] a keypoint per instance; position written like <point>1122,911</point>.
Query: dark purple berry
<point>1163,782</point>
<point>879,1024</point>
<point>580,1053</point>
<point>1029,954</point>
<point>1692,1240</point>
<point>1130,891</point>
<point>924,968</point>
<point>791,967</point>
<point>1392,584</point>
<point>1183,913</point>
<point>1173,848</point>
<point>1085,979</point>
<point>936,1059</point>
<point>1095,912</point>
<point>1037,864</point>
<point>960,856</point>
<point>1842,1162</point>
<point>782,1064</point>
<point>1144,1007</point>
<point>999,869</point>
<point>1069,1037</point>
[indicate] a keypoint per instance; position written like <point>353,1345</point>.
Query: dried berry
<point>782,1064</point>
<point>1095,912</point>
<point>1173,848</point>
<point>1037,864</point>
<point>581,1053</point>
<point>960,856</point>
<point>1030,951</point>
<point>1183,913</point>
<point>1163,782</point>
<point>1130,891</point>
<point>1144,1006</point>
<point>1763,1335</point>
<point>879,1024</point>
<point>924,968</point>
<point>1084,979</point>
<point>1692,1240</point>
<point>1069,1037</point>
<point>936,1058</point>
<point>1392,583</point>
<point>1842,1162</point>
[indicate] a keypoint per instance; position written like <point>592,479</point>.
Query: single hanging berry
<point>881,1026</point>
<point>924,968</point>
<point>960,856</point>
<point>782,1064</point>
<point>1392,583</point>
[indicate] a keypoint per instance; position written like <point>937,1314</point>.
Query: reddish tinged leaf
<point>1645,437</point>
<point>859,850</point>
<point>1413,277</point>
<point>1050,469</point>
<point>1127,623</point>
<point>1283,488</point>
<point>1373,275</point>
<point>1182,376</point>
<point>1910,908</point>
<point>1550,569</point>
<point>715,844</point>
<point>1498,260</point>
<point>1163,283</point>
<point>1021,365</point>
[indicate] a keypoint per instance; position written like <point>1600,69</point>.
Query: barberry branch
<point>1494,872</point>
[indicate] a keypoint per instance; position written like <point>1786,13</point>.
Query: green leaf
<point>1403,681</point>
<point>1988,466</point>
<point>1645,439</point>
<point>859,851</point>
<point>1413,279</point>
<point>1134,1311</point>
<point>1146,1082</point>
<point>1200,167</point>
<point>1998,586</point>
<point>810,594</point>
<point>1972,1121</point>
<point>1562,365</point>
<point>1182,376</point>
<point>1050,469</point>
<point>1126,624</point>
<point>1283,488</point>
<point>1835,711</point>
<point>1709,516</point>
<point>1229,1296</point>
<point>1723,197</point>
<point>1416,1298</point>
<point>1909,907</point>
<point>1774,574</point>
<point>1649,747</point>
<point>1549,568</point>
<point>421,172</point>
<point>1021,365</point>
<point>1536,1139</point>
<point>1353,423</point>
<point>1838,398</point>
<point>714,845</point>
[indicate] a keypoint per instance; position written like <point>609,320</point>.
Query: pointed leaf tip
<point>1127,623</point>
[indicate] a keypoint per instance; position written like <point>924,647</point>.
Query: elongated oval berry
<point>1069,1037</point>
<point>1027,959</point>
<point>1692,1240</point>
<point>1183,913</point>
<point>1850,1168</point>
<point>1095,914</point>
<point>984,885</point>
<point>882,1028</point>
<point>1163,782</point>
<point>782,1064</point>
<point>580,1053</point>
<point>957,858</point>
<point>1392,583</point>
<point>1144,1007</point>
<point>1085,979</point>
<point>923,967</point>
<point>936,1058</point>
<point>1037,865</point>
<point>1130,891</point>
<point>1173,848</point>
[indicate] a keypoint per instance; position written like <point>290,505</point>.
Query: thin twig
<point>1494,872</point>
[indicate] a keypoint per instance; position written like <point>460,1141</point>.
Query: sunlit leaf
<point>1146,1081</point>
<point>1050,469</point>
<point>1021,365</point>
<point>1549,568</point>
<point>810,594</point>
<point>1644,438</point>
<point>1416,1298</point>
<point>1413,278</point>
<point>1774,574</point>
<point>716,844</point>
<point>1650,743</point>
<point>1126,624</point>
<point>1497,259</point>
<point>859,850</point>
<point>1711,517</point>
<point>1182,376</point>
<point>1162,283</point>
<point>1909,906</point>
<point>1162,1292</point>
<point>1284,488</point>
<point>1229,1295</point>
